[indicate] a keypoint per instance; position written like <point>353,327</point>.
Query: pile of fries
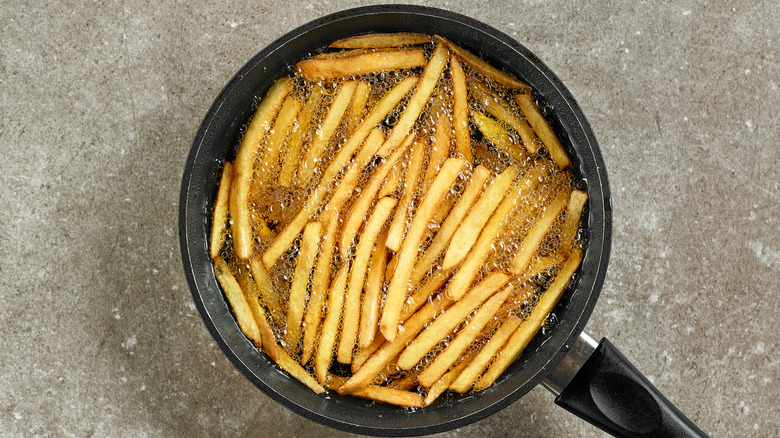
<point>398,222</point>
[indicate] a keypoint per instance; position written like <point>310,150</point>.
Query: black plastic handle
<point>610,393</point>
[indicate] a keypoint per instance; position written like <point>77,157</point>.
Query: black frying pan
<point>607,390</point>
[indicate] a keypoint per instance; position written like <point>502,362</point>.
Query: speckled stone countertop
<point>99,103</point>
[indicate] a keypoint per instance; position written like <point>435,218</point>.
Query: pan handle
<point>598,384</point>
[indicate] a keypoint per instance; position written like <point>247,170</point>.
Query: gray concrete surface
<point>99,102</point>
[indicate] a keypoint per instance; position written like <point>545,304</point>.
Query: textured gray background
<point>100,101</point>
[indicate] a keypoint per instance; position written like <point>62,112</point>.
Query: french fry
<point>393,396</point>
<point>361,355</point>
<point>374,141</point>
<point>252,294</point>
<point>243,166</point>
<point>358,105</point>
<point>543,130</point>
<point>237,300</point>
<point>501,110</point>
<point>393,180</point>
<point>451,224</point>
<point>537,233</point>
<point>542,264</point>
<point>382,40</point>
<point>483,68</point>
<point>325,131</point>
<point>467,272</point>
<point>357,212</point>
<point>269,158</point>
<point>444,324</point>
<point>357,276</point>
<point>481,360</point>
<point>430,76</point>
<point>440,148</point>
<point>375,278</point>
<point>399,285</point>
<point>445,382</point>
<point>533,322</point>
<point>220,217</point>
<point>398,224</point>
<point>406,383</point>
<point>293,368</point>
<point>424,292</point>
<point>460,110</point>
<point>319,284</point>
<point>361,64</point>
<point>297,301</point>
<point>268,296</point>
<point>497,135</point>
<point>478,216</point>
<point>574,209</point>
<point>330,326</point>
<point>291,155</point>
<point>463,339</point>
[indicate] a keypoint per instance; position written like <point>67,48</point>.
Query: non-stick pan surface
<point>215,143</point>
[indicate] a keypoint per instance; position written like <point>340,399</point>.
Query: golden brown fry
<point>573,216</point>
<point>349,328</point>
<point>537,233</point>
<point>268,296</point>
<point>269,158</point>
<point>414,107</point>
<point>375,278</point>
<point>360,64</point>
<point>399,286</point>
<point>445,382</point>
<point>360,356</point>
<point>297,301</point>
<point>325,131</point>
<point>523,335</point>
<point>460,110</point>
<point>423,293</point>
<point>467,272</point>
<point>292,154</point>
<point>237,300</point>
<point>541,264</point>
<point>451,224</point>
<point>358,105</point>
<point>293,368</point>
<point>500,109</point>
<point>475,221</point>
<point>440,148</point>
<point>482,67</point>
<point>384,394</point>
<point>330,326</point>
<point>481,360</point>
<point>463,339</point>
<point>220,218</point>
<point>252,294</point>
<point>373,142</point>
<point>398,225</point>
<point>382,40</point>
<point>497,135</point>
<point>543,130</point>
<point>243,166</point>
<point>444,324</point>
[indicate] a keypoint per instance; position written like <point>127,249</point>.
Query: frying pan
<point>591,379</point>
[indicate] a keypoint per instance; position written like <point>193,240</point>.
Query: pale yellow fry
<point>574,209</point>
<point>543,130</point>
<point>480,362</point>
<point>368,237</point>
<point>325,131</point>
<point>366,374</point>
<point>482,67</point>
<point>444,324</point>
<point>451,224</point>
<point>383,394</point>
<point>319,284</point>
<point>268,295</point>
<point>445,382</point>
<point>358,105</point>
<point>297,301</point>
<point>460,110</point>
<point>293,368</point>
<point>237,300</point>
<point>440,148</point>
<point>399,286</point>
<point>292,155</point>
<point>360,206</point>
<point>463,339</point>
<point>468,270</point>
<point>523,335</point>
<point>373,142</point>
<point>375,278</point>
<point>500,109</point>
<point>478,216</point>
<point>269,157</point>
<point>252,294</point>
<point>398,225</point>
<point>419,99</point>
<point>330,326</point>
<point>382,40</point>
<point>360,64</point>
<point>537,233</point>
<point>360,356</point>
<point>243,167</point>
<point>496,134</point>
<point>220,219</point>
<point>393,179</point>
